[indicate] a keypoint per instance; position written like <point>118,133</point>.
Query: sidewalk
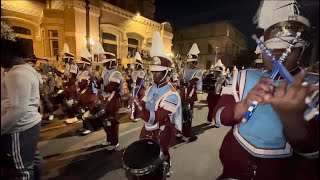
<point>58,123</point>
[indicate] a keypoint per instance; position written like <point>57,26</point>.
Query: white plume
<point>66,48</point>
<point>194,49</point>
<point>271,12</point>
<point>86,53</point>
<point>157,47</point>
<point>97,48</point>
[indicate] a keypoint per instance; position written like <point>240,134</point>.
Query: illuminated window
<point>109,43</point>
<point>133,45</point>
<point>112,48</point>
<point>53,37</point>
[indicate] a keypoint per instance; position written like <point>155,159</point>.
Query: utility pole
<point>88,24</point>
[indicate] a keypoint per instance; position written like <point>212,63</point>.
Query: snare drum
<point>56,97</point>
<point>93,118</point>
<point>144,160</point>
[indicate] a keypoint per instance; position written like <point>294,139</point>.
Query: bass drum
<point>144,160</point>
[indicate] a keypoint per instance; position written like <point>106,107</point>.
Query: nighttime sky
<point>182,13</point>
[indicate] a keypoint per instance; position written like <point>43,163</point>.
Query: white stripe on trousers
<point>14,153</point>
<point>17,156</point>
<point>19,153</point>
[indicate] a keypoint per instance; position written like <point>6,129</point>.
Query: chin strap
<point>165,75</point>
<point>303,50</point>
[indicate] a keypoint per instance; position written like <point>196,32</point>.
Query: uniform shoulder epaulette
<point>172,88</point>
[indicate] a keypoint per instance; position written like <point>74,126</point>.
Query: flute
<point>135,93</point>
<point>278,68</point>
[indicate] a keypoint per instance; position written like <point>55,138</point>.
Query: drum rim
<point>145,170</point>
<point>148,169</point>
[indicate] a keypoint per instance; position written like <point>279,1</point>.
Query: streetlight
<point>88,24</point>
<point>215,59</point>
<point>91,44</point>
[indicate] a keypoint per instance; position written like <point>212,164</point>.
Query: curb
<point>59,126</point>
<point>64,124</point>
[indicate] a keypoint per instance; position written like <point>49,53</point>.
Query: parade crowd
<point>274,119</point>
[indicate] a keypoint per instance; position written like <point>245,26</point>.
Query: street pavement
<point>70,156</point>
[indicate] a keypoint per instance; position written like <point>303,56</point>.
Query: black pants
<point>22,156</point>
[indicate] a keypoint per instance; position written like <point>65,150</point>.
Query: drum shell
<point>138,151</point>
<point>158,174</point>
<point>208,83</point>
<point>186,111</point>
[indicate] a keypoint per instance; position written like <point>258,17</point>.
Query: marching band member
<point>160,108</point>
<point>69,86</point>
<point>87,88</point>
<point>213,96</point>
<point>71,66</point>
<point>111,92</point>
<point>281,139</point>
<point>137,75</point>
<point>189,83</point>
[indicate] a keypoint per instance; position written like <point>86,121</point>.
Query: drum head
<point>141,154</point>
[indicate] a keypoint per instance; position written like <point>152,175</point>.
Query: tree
<point>7,32</point>
<point>245,58</point>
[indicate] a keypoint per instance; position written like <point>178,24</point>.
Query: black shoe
<point>215,126</point>
<point>81,130</point>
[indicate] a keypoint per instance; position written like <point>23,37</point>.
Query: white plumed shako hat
<point>193,53</point>
<point>160,62</point>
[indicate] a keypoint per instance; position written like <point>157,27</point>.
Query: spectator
<point>20,119</point>
<point>47,88</point>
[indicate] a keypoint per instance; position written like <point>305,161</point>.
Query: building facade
<point>219,40</point>
<point>121,26</point>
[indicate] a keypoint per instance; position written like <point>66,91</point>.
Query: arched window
<point>109,43</point>
<point>109,36</point>
<point>132,41</point>
<point>21,30</point>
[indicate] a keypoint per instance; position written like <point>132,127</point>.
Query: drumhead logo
<point>156,61</point>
